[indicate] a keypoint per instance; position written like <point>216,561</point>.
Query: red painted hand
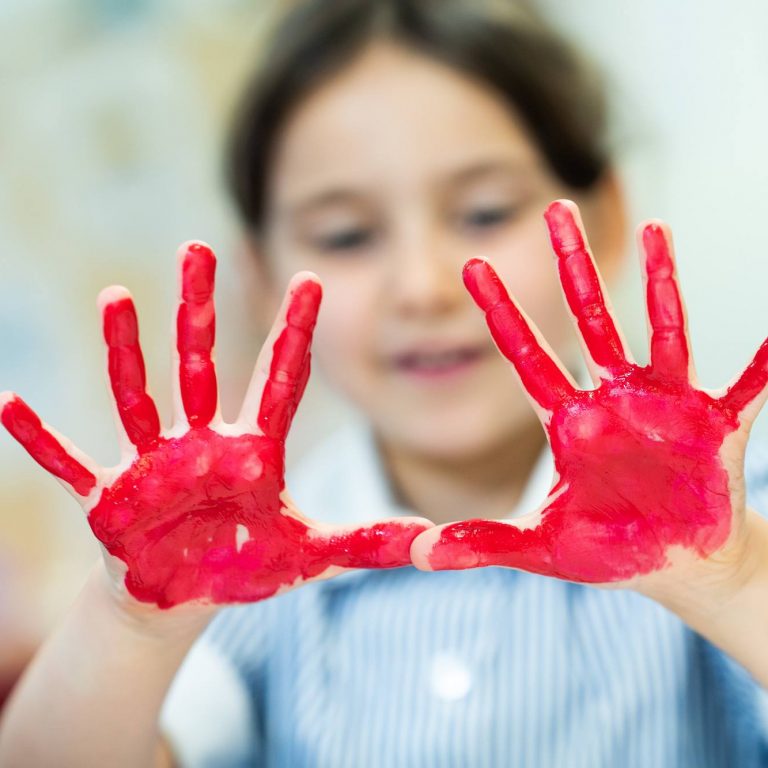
<point>199,512</point>
<point>647,465</point>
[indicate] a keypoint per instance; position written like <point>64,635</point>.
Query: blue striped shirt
<point>473,669</point>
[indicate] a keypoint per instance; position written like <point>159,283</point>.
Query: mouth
<point>430,364</point>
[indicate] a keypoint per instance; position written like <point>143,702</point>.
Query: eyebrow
<point>461,174</point>
<point>485,167</point>
<point>331,196</point>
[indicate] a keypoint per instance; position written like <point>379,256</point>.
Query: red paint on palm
<point>638,459</point>
<point>639,472</point>
<point>200,517</point>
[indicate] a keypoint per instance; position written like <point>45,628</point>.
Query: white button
<point>449,677</point>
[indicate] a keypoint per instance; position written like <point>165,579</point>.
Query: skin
<point>644,462</point>
<point>458,442</point>
<point>199,512</point>
<point>386,201</point>
<point>461,446</point>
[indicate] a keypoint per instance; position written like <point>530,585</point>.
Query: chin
<point>459,436</point>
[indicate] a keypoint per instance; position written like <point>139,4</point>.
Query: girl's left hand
<point>649,482</point>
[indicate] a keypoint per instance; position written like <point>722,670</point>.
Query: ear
<point>261,295</point>
<point>606,224</point>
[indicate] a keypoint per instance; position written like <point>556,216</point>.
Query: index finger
<point>517,338</point>
<point>282,368</point>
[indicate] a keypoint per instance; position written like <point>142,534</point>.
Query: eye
<point>487,217</point>
<point>346,240</point>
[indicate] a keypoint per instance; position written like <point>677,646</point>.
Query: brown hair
<point>502,43</point>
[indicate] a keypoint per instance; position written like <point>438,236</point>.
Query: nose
<point>424,273</point>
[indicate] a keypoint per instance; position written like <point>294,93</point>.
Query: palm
<point>645,463</point>
<point>200,512</point>
<point>225,533</point>
<point>639,472</point>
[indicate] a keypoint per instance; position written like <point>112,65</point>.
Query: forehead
<point>394,117</point>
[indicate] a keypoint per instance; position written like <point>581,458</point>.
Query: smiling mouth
<point>438,364</point>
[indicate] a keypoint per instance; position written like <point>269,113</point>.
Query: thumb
<point>383,544</point>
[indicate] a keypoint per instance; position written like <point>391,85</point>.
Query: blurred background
<point>113,117</point>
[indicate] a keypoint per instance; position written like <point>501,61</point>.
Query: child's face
<point>385,181</point>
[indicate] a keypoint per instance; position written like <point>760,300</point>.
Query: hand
<point>648,466</point>
<point>199,512</point>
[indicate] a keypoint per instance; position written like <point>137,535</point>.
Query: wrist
<point>182,623</point>
<point>714,590</point>
<point>724,597</point>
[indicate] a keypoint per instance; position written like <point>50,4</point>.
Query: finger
<point>303,379</point>
<point>383,544</point>
<point>282,369</point>
<point>125,365</point>
<point>77,471</point>
<point>517,338</point>
<point>196,333</point>
<point>477,543</point>
<point>750,390</point>
<point>670,351</point>
<point>584,292</point>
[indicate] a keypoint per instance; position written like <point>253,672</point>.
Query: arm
<point>193,517</point>
<point>649,487</point>
<point>93,693</point>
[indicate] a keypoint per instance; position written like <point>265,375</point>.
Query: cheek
<point>345,324</point>
<point>343,339</point>
<point>528,270</point>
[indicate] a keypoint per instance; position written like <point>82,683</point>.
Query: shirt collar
<point>365,494</point>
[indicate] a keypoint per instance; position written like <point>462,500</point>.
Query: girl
<point>382,146</point>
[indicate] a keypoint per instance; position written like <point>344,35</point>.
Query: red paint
<point>581,286</point>
<point>24,424</point>
<point>127,376</point>
<point>669,342</point>
<point>752,382</point>
<point>637,458</point>
<point>173,518</point>
<point>289,370</point>
<point>195,335</point>
<point>541,376</point>
<point>200,516</point>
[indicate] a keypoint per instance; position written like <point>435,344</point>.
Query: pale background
<point>112,119</point>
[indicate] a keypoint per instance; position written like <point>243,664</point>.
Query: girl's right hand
<point>199,512</point>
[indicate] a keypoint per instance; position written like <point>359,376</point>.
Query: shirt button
<point>449,678</point>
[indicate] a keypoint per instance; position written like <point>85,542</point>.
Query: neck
<point>484,485</point>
